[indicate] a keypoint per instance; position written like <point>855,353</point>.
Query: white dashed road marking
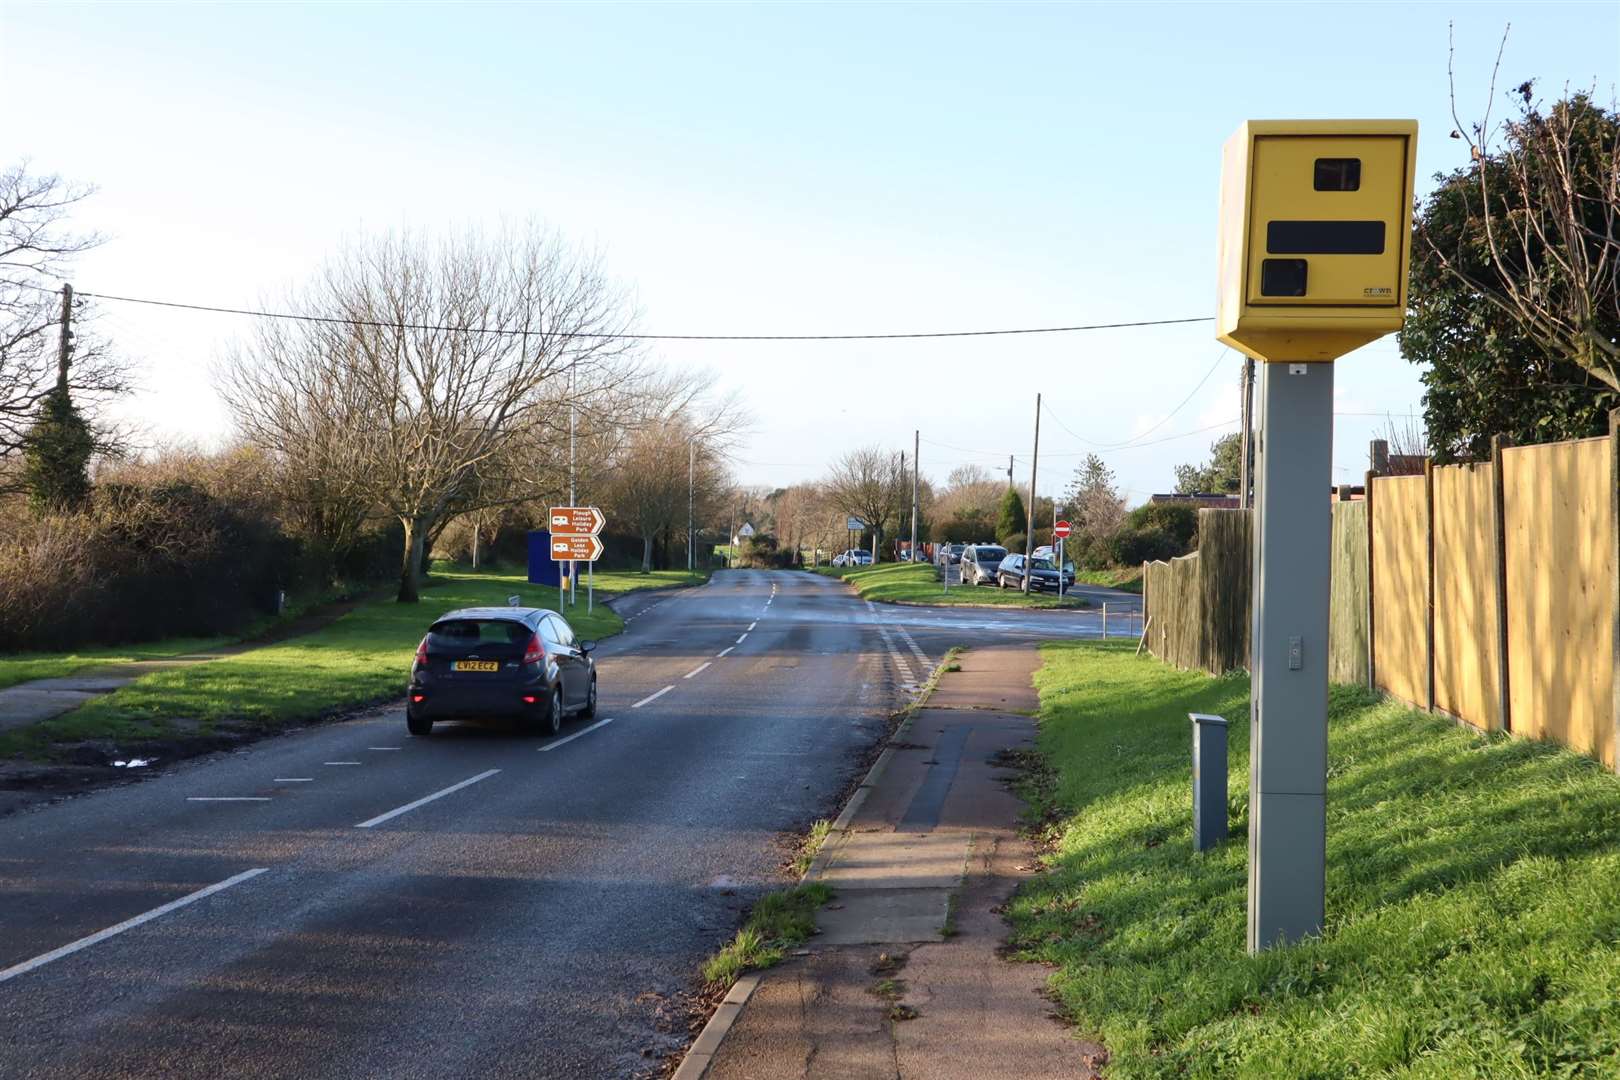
<point>128,924</point>
<point>382,748</point>
<point>575,735</point>
<point>340,763</point>
<point>697,670</point>
<point>752,625</point>
<point>650,698</point>
<point>723,651</point>
<point>740,640</point>
<point>227,798</point>
<point>294,780</point>
<point>424,800</point>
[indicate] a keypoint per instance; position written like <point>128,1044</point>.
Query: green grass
<point>361,658</point>
<point>778,922</point>
<point>810,846</point>
<point>1473,893</point>
<point>23,667</point>
<point>1128,579</point>
<point>915,583</point>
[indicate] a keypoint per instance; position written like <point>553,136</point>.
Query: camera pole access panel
<point>1316,228</point>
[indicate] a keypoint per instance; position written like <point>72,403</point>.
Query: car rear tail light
<point>421,653</point>
<point>417,699</point>
<point>529,699</point>
<point>536,652</point>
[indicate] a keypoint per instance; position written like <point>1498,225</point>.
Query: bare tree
<point>1548,216</point>
<point>36,248</point>
<point>436,360</point>
<point>869,483</point>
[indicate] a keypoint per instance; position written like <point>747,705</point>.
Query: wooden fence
<point>1488,592</point>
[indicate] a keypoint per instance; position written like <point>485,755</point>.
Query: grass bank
<point>915,583</point>
<point>361,658</point>
<point>1473,893</point>
<point>24,667</point>
<point>1128,579</point>
<point>780,921</point>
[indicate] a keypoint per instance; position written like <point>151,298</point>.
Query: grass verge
<point>1473,893</point>
<point>778,922</point>
<point>1127,579</point>
<point>360,659</point>
<point>915,583</point>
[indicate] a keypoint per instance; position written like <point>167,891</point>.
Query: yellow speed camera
<point>1316,235</point>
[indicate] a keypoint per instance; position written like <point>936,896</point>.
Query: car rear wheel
<point>554,714</point>
<point>420,726</point>
<point>590,701</point>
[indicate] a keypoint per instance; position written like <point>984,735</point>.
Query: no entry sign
<point>1062,529</point>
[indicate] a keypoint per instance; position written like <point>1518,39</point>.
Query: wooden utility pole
<point>1034,460</point>
<point>64,348</point>
<point>1246,456</point>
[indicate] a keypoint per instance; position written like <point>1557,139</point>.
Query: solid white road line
<point>294,780</point>
<point>575,735</point>
<point>227,798</point>
<point>382,748</point>
<point>650,698</point>
<point>697,670</point>
<point>723,651</point>
<point>340,763</point>
<point>752,625</point>
<point>128,924</point>
<point>740,640</point>
<point>424,800</point>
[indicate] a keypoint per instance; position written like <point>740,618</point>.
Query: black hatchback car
<point>487,662</point>
<point>1042,575</point>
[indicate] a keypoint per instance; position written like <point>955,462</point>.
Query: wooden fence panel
<point>1225,566</point>
<point>1400,570</point>
<point>1347,603</point>
<point>1173,603</point>
<point>1560,593</point>
<point>1466,669</point>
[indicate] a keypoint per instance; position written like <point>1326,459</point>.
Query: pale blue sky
<point>758,169</point>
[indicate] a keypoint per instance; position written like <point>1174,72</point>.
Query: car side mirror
<point>586,646</point>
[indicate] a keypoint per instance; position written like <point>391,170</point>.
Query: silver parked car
<point>980,563</point>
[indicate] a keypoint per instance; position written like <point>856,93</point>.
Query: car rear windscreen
<point>472,633</point>
<point>992,553</point>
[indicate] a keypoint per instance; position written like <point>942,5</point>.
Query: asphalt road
<point>474,904</point>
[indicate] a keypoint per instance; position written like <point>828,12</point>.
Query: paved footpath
<point>904,979</point>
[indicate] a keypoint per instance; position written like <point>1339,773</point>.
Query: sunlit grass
<point>778,922</point>
<point>1473,893</point>
<point>915,583</point>
<point>362,658</point>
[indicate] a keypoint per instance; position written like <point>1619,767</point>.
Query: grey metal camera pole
<point>1288,711</point>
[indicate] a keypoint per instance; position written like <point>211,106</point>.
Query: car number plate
<point>474,665</point>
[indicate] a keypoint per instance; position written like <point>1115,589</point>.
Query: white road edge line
<point>697,670</point>
<point>128,924</point>
<point>650,698</point>
<point>723,651</point>
<point>575,735</point>
<point>227,798</point>
<point>424,800</point>
<point>740,640</point>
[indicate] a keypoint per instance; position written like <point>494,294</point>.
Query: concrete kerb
<point>701,1054</point>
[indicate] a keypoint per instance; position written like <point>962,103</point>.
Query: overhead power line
<point>330,319</point>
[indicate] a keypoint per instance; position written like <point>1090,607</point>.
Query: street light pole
<point>1034,460</point>
<point>691,532</point>
<point>916,448</point>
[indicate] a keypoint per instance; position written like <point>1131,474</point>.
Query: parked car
<point>523,663</point>
<point>980,563</point>
<point>1042,573</point>
<point>853,557</point>
<point>949,554</point>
